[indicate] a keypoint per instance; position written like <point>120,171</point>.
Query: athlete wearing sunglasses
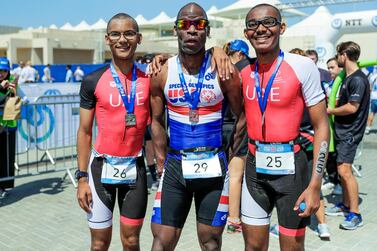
<point>185,24</point>
<point>193,94</point>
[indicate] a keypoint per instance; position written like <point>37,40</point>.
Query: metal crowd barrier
<point>46,138</point>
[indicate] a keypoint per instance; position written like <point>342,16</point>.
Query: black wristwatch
<point>79,174</point>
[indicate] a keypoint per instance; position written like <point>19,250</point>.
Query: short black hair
<point>265,5</point>
<point>189,4</point>
<point>312,52</point>
<point>122,16</point>
<point>332,59</point>
<point>69,66</point>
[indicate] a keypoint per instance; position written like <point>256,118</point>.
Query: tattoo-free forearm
<point>159,140</point>
<point>84,141</point>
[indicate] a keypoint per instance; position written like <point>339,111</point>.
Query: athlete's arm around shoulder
<point>232,89</point>
<point>157,103</point>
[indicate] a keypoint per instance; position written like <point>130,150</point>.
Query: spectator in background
<point>237,50</point>
<point>350,121</point>
<point>46,78</point>
<point>334,70</point>
<point>69,74</point>
<point>373,99</point>
<point>79,74</point>
<point>298,51</point>
<point>28,74</point>
<point>7,131</point>
<point>17,71</point>
<point>325,75</point>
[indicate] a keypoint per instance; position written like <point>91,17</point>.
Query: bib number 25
<point>273,162</point>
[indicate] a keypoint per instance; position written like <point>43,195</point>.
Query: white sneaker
<point>154,186</point>
<point>327,185</point>
<point>337,190</point>
<point>367,130</point>
<point>323,231</point>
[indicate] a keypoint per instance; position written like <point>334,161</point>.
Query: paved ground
<point>42,213</point>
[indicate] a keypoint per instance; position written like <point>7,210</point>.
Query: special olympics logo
<point>52,92</point>
<point>36,116</point>
<point>207,95</point>
<point>374,21</point>
<point>321,51</point>
<point>337,23</point>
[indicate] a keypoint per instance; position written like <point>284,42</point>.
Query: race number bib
<point>201,165</point>
<point>275,159</point>
<point>119,170</point>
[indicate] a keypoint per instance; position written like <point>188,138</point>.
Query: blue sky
<point>26,13</point>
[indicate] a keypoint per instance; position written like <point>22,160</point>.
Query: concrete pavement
<point>41,213</point>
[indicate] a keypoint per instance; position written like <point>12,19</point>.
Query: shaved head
<point>123,16</point>
<point>264,5</point>
<point>192,9</point>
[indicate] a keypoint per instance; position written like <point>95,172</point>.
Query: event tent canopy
<point>240,8</point>
<point>99,25</point>
<point>82,26</point>
<point>67,26</point>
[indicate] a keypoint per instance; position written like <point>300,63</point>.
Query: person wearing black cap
<point>7,131</point>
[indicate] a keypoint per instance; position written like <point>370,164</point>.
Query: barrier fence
<point>46,135</point>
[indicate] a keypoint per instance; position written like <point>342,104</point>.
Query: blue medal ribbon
<point>193,98</point>
<point>262,100</point>
<point>128,103</point>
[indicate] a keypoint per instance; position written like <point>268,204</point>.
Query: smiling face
<point>123,46</point>
<point>264,39</point>
<point>191,40</point>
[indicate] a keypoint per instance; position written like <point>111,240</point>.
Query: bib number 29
<point>200,167</point>
<point>274,161</point>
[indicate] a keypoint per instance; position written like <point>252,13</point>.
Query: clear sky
<point>26,13</point>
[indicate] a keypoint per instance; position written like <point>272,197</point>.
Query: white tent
<point>53,27</point>
<point>82,26</point>
<point>212,10</point>
<point>99,25</point>
<point>67,26</point>
<point>160,21</point>
<point>312,25</point>
<point>141,20</point>
<point>214,21</point>
<point>240,8</point>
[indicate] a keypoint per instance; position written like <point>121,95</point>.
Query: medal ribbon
<point>193,98</point>
<point>128,103</point>
<point>262,100</point>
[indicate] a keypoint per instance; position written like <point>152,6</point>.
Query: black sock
<point>152,170</point>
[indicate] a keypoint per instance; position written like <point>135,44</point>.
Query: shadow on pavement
<point>49,186</point>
